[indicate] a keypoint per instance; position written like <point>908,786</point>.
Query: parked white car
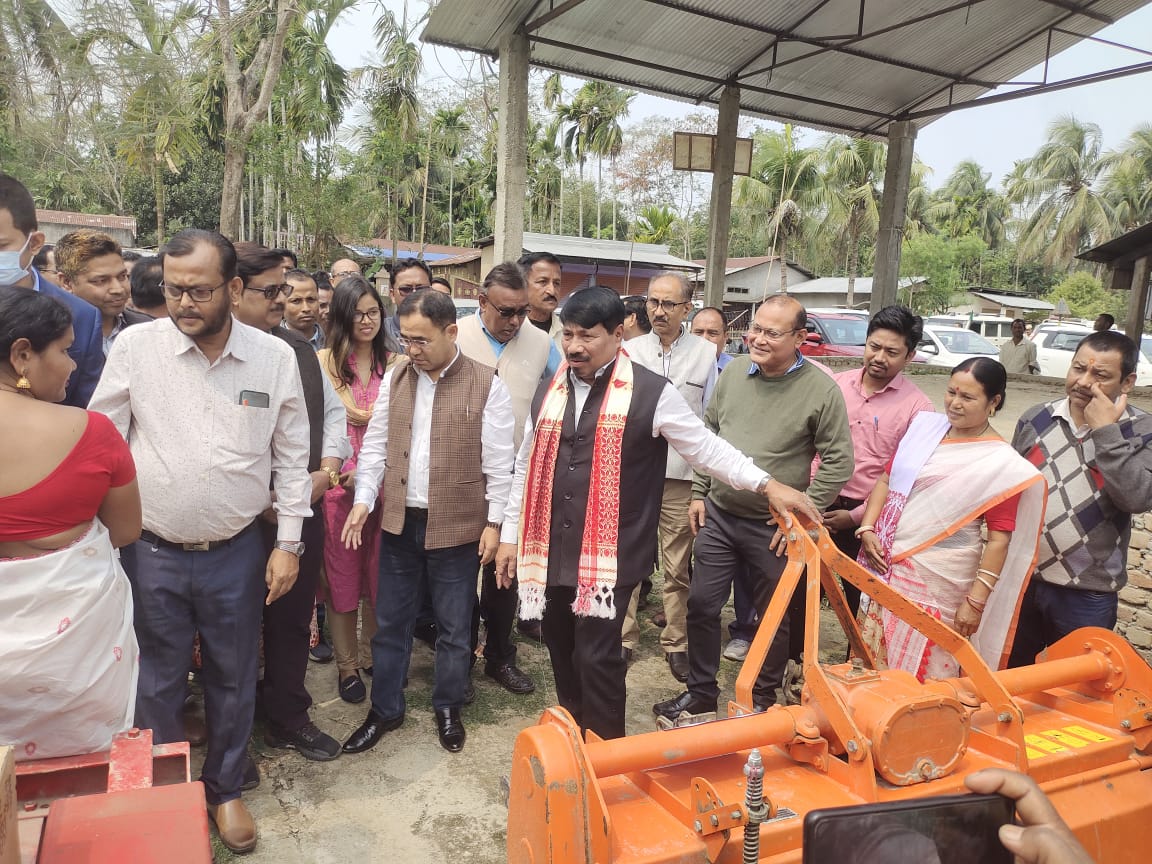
<point>1056,344</point>
<point>950,346</point>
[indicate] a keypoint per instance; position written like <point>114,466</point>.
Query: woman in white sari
<point>68,497</point>
<point>953,478</point>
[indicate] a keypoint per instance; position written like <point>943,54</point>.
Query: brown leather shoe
<point>234,824</point>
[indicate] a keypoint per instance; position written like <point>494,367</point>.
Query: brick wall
<point>1135,613</point>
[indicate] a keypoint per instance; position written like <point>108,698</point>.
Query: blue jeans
<point>407,572</point>
<point>221,595</point>
<point>1050,612</point>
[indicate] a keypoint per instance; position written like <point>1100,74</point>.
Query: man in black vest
<point>591,467</point>
<point>259,302</point>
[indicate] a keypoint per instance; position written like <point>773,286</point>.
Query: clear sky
<point>995,135</point>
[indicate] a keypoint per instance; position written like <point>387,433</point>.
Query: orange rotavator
<point>1080,723</point>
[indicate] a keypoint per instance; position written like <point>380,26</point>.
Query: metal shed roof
<point>592,250</point>
<point>845,65</point>
<point>1014,301</point>
<point>1123,249</point>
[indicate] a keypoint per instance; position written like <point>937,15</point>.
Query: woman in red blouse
<point>68,497</point>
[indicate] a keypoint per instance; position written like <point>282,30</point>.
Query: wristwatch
<point>763,484</point>
<point>495,525</point>
<point>296,548</point>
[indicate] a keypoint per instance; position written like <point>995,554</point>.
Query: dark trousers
<point>498,608</point>
<point>848,543</point>
<point>220,594</point>
<point>407,571</point>
<point>586,660</point>
<point>747,619</point>
<point>1050,612</point>
<point>287,632</point>
<point>724,545</point>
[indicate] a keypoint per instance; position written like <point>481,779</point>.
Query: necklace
<point>987,426</point>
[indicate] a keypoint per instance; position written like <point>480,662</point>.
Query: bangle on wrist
<point>975,604</point>
<point>863,529</point>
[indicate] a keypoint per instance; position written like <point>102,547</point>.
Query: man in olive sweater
<point>781,410</point>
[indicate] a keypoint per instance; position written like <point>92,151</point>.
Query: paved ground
<point>410,801</point>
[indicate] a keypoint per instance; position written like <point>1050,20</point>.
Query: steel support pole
<point>897,176</point>
<point>511,149</point>
<point>720,211</point>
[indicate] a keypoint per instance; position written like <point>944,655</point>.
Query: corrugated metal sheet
<point>605,250</point>
<point>685,49</point>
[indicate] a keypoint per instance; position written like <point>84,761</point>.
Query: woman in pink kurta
<point>355,362</point>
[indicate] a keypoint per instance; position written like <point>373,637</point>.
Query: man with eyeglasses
<point>406,276</point>
<point>342,267</point>
<point>780,410</point>
<point>689,362</point>
<point>440,439</point>
<point>91,267</point>
<point>522,356</point>
<point>212,410</point>
<point>259,301</point>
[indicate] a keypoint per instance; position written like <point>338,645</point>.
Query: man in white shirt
<point>689,362</point>
<point>211,409</point>
<point>589,475</point>
<point>441,439</point>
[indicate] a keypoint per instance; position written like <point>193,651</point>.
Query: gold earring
<point>22,383</point>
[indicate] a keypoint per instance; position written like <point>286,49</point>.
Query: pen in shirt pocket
<point>876,424</point>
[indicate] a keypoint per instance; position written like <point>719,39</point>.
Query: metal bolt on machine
<point>735,791</point>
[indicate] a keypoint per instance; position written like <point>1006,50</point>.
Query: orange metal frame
<point>1080,723</point>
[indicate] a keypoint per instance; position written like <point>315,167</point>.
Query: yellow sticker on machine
<point>1062,737</point>
<point>1034,754</point>
<point>1045,745</point>
<point>1086,733</point>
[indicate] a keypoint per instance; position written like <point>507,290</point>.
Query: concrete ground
<point>410,801</point>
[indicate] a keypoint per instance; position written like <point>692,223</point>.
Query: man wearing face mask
<point>20,240</point>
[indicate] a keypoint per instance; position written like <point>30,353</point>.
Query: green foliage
<point>1087,298</point>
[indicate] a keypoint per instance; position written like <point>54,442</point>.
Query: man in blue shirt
<point>20,240</point>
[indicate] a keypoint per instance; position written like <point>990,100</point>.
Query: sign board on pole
<point>696,151</point>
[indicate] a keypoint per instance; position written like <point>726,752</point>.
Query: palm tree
<point>853,176</point>
<point>656,224</point>
<point>450,129</point>
<point>392,97</point>
<point>1129,184</point>
<point>609,107</point>
<point>36,47</point>
<point>577,123</point>
<point>965,204</point>
<point>148,46</point>
<point>1056,183</point>
<point>787,186</point>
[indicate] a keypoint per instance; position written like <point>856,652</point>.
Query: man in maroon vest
<point>441,439</point>
<point>585,501</point>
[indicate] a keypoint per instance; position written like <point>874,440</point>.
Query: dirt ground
<point>408,801</point>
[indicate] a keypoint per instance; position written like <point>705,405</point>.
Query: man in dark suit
<point>92,267</point>
<point>20,240</point>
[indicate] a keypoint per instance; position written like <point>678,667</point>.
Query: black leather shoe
<point>685,703</point>
<point>450,728</point>
<point>678,663</point>
<point>512,679</point>
<point>369,734</point>
<point>352,688</point>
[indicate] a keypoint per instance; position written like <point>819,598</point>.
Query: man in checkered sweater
<point>1093,449</point>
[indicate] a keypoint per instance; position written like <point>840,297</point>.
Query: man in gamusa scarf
<point>585,501</point>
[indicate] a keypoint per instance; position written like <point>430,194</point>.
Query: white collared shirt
<point>203,460</point>
<point>674,421</point>
<point>497,453</point>
<point>1083,433</point>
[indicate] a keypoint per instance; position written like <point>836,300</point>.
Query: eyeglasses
<point>414,342</point>
<point>343,273</point>
<point>408,289</point>
<point>371,315</point>
<point>272,291</point>
<point>771,335</point>
<point>198,293</point>
<point>664,305</point>
<point>504,312</point>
